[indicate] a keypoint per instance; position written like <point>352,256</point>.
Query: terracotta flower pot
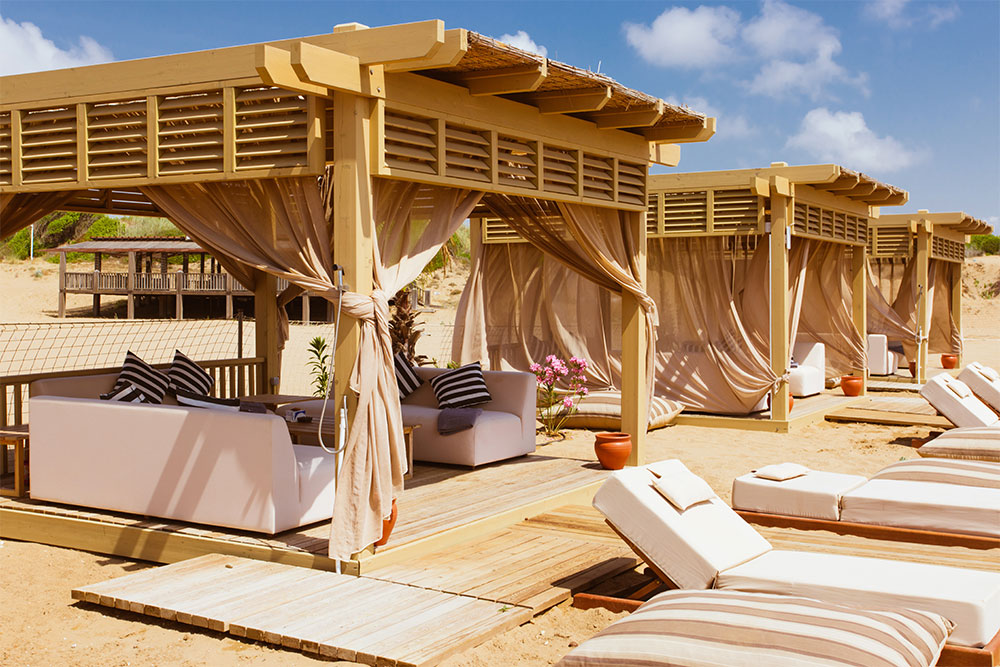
<point>851,385</point>
<point>913,369</point>
<point>612,449</point>
<point>387,525</point>
<point>949,360</point>
<point>791,401</point>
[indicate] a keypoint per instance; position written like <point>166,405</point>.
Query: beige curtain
<point>945,336</point>
<point>281,226</point>
<point>18,210</point>
<point>882,319</point>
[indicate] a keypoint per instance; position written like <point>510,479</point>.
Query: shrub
<point>989,244</point>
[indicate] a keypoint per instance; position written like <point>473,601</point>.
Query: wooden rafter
<point>578,100</point>
<point>503,81</point>
<point>682,134</point>
<point>455,46</point>
<point>637,117</point>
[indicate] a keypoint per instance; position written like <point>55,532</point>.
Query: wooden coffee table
<point>16,437</point>
<point>298,429</point>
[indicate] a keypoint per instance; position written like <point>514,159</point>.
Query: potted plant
<point>553,405</point>
<point>852,385</point>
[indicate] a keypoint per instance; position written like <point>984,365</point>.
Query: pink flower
<point>584,391</point>
<point>568,402</point>
<point>535,368</point>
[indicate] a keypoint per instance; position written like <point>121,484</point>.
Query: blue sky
<point>906,91</point>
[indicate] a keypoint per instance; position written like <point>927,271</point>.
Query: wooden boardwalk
<point>806,411</point>
<point>334,615</point>
<point>892,411</point>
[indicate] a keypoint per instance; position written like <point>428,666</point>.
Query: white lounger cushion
<point>977,443</point>
<point>949,508</point>
<point>955,400</point>
<point>815,495</point>
<point>944,471</point>
<point>984,383</point>
<point>693,546</point>
<point>968,598</point>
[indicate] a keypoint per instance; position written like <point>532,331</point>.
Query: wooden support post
<point>859,305</point>
<point>923,300</point>
<point>97,284</point>
<point>179,296</point>
<point>202,263</point>
<point>956,303</point>
<point>229,296</point>
<point>305,308</point>
<point>62,284</point>
<point>265,308</point>
<point>635,403</point>
<point>130,287</point>
<point>353,224</point>
<point>780,329</point>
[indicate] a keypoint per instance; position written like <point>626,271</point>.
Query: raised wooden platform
<point>334,615</point>
<point>806,411</point>
<point>892,411</point>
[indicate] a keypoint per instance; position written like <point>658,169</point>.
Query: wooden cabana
<point>725,335</point>
<point>235,144</point>
<point>918,260</point>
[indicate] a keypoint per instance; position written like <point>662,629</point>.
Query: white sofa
<point>882,360</point>
<point>219,468</point>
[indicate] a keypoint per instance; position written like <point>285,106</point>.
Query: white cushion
<point>779,472</point>
<point>954,400</point>
<point>968,598</point>
<point>806,381</point>
<point>813,496</point>
<point>984,383</point>
<point>689,547</point>
<point>977,443</point>
<point>810,353</point>
<point>881,361</point>
<point>683,491</point>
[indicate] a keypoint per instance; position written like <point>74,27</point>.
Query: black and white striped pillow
<point>127,393</point>
<point>406,378</point>
<point>151,382</point>
<point>462,387</point>
<point>186,375</point>
<point>195,400</point>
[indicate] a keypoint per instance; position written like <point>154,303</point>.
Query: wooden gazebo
<point>898,239</point>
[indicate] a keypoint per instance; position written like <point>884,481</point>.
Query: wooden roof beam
<point>455,46</point>
<point>336,70</point>
<point>507,80</point>
<point>682,134</point>
<point>843,182</point>
<point>576,100</point>
<point>274,66</point>
<point>861,192</point>
<point>641,117</point>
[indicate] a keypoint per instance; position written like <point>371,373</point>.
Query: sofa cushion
<point>126,393</point>
<point>152,382</point>
<point>186,375</point>
<point>406,378</point>
<point>462,387</point>
<point>194,400</point>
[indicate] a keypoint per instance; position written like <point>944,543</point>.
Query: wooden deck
<point>441,506</point>
<point>892,411</point>
<point>334,615</point>
<point>809,410</point>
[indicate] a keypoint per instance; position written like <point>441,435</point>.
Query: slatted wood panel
<point>631,183</point>
<point>48,145</point>
<point>467,153</point>
<point>334,615</point>
<point>826,223</point>
<point>889,242</point>
<point>410,143</point>
<point>598,177</point>
<point>517,162</point>
<point>190,133</point>
<point>116,139</point>
<point>561,169</point>
<point>271,127</point>
<point>947,249</point>
<point>126,201</point>
<point>6,148</point>
<point>700,212</point>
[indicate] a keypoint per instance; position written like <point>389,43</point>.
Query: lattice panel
<point>560,170</point>
<point>598,177</point>
<point>498,231</point>
<point>116,139</point>
<point>947,249</point>
<point>467,153</point>
<point>890,242</point>
<point>653,206</point>
<point>517,162</point>
<point>271,128</point>
<point>190,134</point>
<point>410,143</point>
<point>48,145</point>
<point>830,224</point>
<point>631,183</point>
<point>736,211</point>
<point>684,212</point>
<point>6,149</point>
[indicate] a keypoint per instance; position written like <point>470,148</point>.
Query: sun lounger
<point>975,443</point>
<point>953,399</point>
<point>708,545</point>
<point>984,383</point>
<point>927,496</point>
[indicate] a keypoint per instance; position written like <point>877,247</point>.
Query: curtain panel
<point>882,319</point>
<point>22,209</point>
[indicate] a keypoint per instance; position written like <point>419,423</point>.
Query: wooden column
<point>353,224</point>
<point>265,309</point>
<point>780,330</point>
<point>305,308</point>
<point>635,417</point>
<point>97,284</point>
<point>859,305</point>
<point>956,303</point>
<point>62,287</point>
<point>179,297</point>
<point>130,286</point>
<point>229,296</point>
<point>923,302</point>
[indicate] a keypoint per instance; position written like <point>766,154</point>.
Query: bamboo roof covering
<point>127,244</point>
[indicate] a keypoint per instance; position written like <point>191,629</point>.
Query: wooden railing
<point>165,283</point>
<point>233,378</point>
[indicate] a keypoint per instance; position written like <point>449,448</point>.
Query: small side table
<point>16,437</point>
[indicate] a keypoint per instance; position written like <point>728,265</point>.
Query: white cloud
<point>522,40</point>
<point>844,137</point>
<point>24,49</point>
<point>735,126</point>
<point>938,14</point>
<point>897,14</point>
<point>889,11</point>
<point>680,37</point>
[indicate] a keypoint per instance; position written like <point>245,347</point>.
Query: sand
<point>42,625</point>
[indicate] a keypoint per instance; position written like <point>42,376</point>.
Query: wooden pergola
<point>923,236</point>
<point>414,102</point>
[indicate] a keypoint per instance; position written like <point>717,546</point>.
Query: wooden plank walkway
<point>334,615</point>
<point>892,411</point>
<point>806,411</point>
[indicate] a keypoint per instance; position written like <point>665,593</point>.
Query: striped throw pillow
<point>406,378</point>
<point>944,471</point>
<point>127,393</point>
<point>736,629</point>
<point>462,387</point>
<point>151,382</point>
<point>192,399</point>
<point>186,375</point>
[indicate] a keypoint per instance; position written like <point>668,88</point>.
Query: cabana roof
<point>894,236</point>
<point>123,245</point>
<point>956,221</point>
